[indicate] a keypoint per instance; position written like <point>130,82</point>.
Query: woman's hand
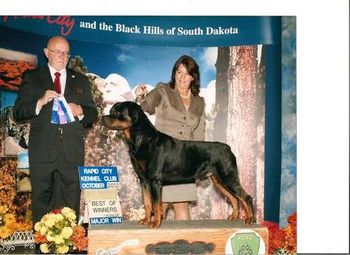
<point>140,92</point>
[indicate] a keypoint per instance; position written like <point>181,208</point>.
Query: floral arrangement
<point>7,222</point>
<point>10,223</point>
<point>283,240</point>
<point>57,232</point>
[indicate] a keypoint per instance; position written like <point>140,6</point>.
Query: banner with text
<point>94,177</point>
<point>155,30</point>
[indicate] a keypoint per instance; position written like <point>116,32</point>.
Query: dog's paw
<point>155,224</point>
<point>144,221</point>
<point>249,221</point>
<point>233,217</point>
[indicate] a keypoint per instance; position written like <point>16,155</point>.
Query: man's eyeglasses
<point>59,53</point>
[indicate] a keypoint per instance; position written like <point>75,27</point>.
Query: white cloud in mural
<point>289,102</point>
<point>126,47</point>
<point>289,127</point>
<point>123,57</point>
<point>209,95</point>
<point>209,56</point>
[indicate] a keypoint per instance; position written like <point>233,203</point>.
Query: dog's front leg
<point>147,202</point>
<point>156,204</point>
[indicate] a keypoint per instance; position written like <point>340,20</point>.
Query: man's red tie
<point>57,83</point>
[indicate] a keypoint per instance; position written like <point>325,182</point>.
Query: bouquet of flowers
<point>57,232</point>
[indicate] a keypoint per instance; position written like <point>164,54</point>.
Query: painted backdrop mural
<point>232,82</point>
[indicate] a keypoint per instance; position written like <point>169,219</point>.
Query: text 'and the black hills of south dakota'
<point>157,30</point>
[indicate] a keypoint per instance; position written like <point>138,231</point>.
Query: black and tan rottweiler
<point>160,159</point>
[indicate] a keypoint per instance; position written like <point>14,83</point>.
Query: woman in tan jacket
<point>179,112</point>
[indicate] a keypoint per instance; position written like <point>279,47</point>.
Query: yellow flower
<point>61,249</point>
<point>44,248</point>
<point>50,237</point>
<point>4,233</point>
<point>69,213</point>
<point>37,226</point>
<point>71,216</point>
<point>66,210</point>
<point>58,217</point>
<point>10,218</point>
<point>67,232</point>
<point>3,209</point>
<point>8,226</point>
<point>50,222</point>
<point>43,230</point>
<point>58,239</point>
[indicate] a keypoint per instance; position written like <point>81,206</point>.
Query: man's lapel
<point>47,78</point>
<point>68,89</point>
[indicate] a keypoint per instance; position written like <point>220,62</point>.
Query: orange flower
<point>291,233</point>
<point>79,238</point>
<point>39,238</point>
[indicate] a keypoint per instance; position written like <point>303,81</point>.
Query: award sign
<point>105,211</point>
<point>100,186</point>
<point>97,177</point>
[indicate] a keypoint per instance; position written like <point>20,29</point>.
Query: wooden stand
<point>195,236</point>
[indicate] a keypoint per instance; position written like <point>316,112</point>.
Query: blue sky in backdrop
<point>142,64</point>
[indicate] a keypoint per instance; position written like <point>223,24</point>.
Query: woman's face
<point>182,78</point>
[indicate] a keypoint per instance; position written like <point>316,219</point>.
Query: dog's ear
<point>134,112</point>
<point>112,111</point>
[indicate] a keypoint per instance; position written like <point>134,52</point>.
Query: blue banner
<point>93,177</point>
<point>106,220</point>
<point>184,31</point>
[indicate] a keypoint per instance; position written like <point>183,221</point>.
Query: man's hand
<point>46,98</point>
<point>76,109</point>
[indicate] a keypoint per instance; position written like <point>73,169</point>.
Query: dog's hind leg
<point>233,184</point>
<point>233,188</point>
<point>231,198</point>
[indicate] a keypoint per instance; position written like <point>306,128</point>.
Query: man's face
<point>57,52</point>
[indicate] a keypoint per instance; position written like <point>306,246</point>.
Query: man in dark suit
<point>55,150</point>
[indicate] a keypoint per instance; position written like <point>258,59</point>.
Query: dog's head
<point>122,115</point>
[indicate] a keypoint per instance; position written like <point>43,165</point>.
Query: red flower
<point>56,211</point>
<point>276,236</point>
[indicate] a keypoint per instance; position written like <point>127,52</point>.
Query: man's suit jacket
<point>171,116</point>
<point>46,140</point>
